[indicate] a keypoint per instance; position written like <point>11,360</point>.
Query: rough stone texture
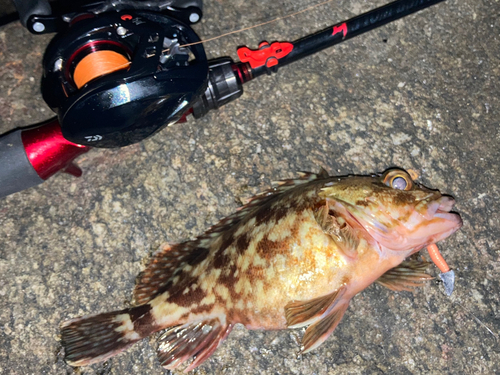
<point>421,93</point>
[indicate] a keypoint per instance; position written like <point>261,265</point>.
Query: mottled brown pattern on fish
<point>362,202</point>
<point>242,243</point>
<point>254,256</point>
<point>142,319</point>
<point>260,277</point>
<point>229,278</point>
<point>221,259</point>
<point>197,310</point>
<point>188,296</point>
<point>401,198</point>
<point>293,256</point>
<point>198,255</point>
<point>268,249</point>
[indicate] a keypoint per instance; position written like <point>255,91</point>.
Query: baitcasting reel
<point>119,77</point>
<point>117,72</point>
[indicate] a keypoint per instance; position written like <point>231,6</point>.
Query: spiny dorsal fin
<point>265,196</point>
<point>283,185</point>
<point>304,177</point>
<point>317,333</point>
<point>407,276</point>
<point>302,313</point>
<point>200,339</point>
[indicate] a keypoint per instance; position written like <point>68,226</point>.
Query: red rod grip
<point>49,152</point>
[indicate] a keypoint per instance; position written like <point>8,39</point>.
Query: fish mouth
<point>444,212</point>
<point>449,221</point>
<point>431,222</point>
<point>446,203</point>
<point>442,205</point>
<point>436,223</point>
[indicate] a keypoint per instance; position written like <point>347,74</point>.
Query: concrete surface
<point>422,93</point>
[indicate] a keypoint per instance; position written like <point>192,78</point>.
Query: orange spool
<point>97,64</point>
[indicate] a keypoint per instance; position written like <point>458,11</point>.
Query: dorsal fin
<point>281,186</point>
<point>304,177</point>
<point>164,265</point>
<point>169,261</point>
<point>263,197</point>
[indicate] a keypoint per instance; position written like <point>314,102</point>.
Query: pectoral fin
<point>344,236</point>
<point>406,276</point>
<point>302,313</point>
<point>317,333</point>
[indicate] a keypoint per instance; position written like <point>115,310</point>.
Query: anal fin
<point>301,313</point>
<point>199,340</point>
<point>406,276</point>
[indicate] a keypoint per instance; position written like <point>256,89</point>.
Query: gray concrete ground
<point>421,93</point>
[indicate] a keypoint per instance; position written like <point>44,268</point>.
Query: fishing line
<point>100,63</point>
<point>260,24</point>
<point>467,311</point>
<point>97,64</point>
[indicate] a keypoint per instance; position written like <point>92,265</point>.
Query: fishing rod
<point>118,71</point>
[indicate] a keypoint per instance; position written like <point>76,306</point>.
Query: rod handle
<point>30,156</point>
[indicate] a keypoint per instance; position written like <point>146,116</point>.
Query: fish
<point>293,256</point>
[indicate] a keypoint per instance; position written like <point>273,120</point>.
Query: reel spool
<point>116,78</point>
<point>97,59</point>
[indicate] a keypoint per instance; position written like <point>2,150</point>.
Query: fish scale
<point>293,256</point>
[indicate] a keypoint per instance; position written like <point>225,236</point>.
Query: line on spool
<point>98,64</point>
<point>95,60</point>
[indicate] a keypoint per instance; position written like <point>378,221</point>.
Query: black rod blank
<point>346,30</point>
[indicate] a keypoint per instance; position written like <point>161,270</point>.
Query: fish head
<point>394,210</point>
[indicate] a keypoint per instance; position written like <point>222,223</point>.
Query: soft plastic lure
<point>447,275</point>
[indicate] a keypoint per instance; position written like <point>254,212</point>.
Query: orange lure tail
<point>437,258</point>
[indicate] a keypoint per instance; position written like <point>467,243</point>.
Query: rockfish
<point>293,256</point>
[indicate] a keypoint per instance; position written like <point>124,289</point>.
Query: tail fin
<point>95,338</point>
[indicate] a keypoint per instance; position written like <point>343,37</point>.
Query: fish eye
<point>398,180</point>
<point>399,183</point>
